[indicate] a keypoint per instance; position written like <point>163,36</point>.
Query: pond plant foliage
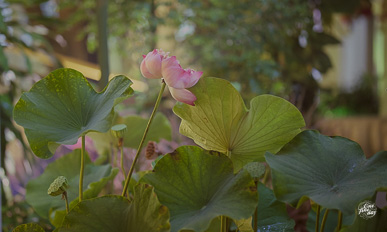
<point>219,185</point>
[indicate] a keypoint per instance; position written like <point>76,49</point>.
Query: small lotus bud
<point>119,130</point>
<point>59,186</point>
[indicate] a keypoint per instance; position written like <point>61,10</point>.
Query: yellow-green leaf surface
<point>63,106</point>
<point>115,214</point>
<point>29,227</point>
<point>220,121</point>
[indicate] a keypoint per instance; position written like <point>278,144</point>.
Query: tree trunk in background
<point>153,25</point>
<point>103,52</point>
<point>383,83</point>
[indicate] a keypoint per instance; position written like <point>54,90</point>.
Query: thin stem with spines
<point>324,220</point>
<point>82,169</point>
<point>317,218</point>
<point>143,139</point>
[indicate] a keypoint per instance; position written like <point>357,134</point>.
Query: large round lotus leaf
<point>220,121</point>
<point>198,186</point>
<point>115,213</point>
<point>332,171</point>
<point>95,178</point>
<point>29,227</point>
<point>63,106</point>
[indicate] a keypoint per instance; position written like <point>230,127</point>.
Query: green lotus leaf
<point>198,186</point>
<point>221,122</point>
<point>95,178</point>
<point>115,213</point>
<point>63,106</point>
<point>272,214</point>
<point>29,227</point>
<point>377,223</point>
<point>332,171</point>
<point>159,129</point>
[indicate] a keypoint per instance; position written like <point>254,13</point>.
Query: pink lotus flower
<point>157,64</point>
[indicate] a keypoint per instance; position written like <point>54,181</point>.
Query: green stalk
<point>317,217</point>
<point>82,169</point>
<point>324,220</point>
<point>122,161</point>
<point>256,209</point>
<point>67,201</point>
<point>339,221</point>
<point>256,219</point>
<point>266,175</point>
<point>143,138</point>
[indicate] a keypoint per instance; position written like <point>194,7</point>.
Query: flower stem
<point>266,175</point>
<point>324,220</point>
<point>143,138</point>
<point>255,224</point>
<point>67,201</point>
<point>317,217</point>
<point>122,161</point>
<point>256,219</point>
<point>82,169</point>
<point>339,221</point>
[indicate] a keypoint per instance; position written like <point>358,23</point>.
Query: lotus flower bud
<point>157,64</point>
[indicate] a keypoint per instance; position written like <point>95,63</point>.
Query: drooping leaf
<point>332,171</point>
<point>63,106</point>
<point>95,178</point>
<point>115,213</point>
<point>272,214</point>
<point>29,227</point>
<point>198,186</point>
<point>220,121</point>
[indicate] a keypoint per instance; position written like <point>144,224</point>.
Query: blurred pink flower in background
<point>157,64</point>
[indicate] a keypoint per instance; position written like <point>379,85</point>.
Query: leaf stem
<point>339,221</point>
<point>82,169</point>
<point>122,161</point>
<point>256,209</point>
<point>256,219</point>
<point>266,175</point>
<point>143,138</point>
<point>67,201</point>
<point>324,220</point>
<point>317,217</point>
